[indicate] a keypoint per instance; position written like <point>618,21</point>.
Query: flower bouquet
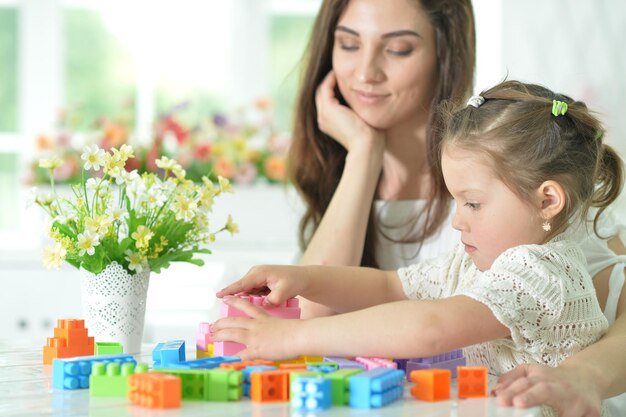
<point>119,226</point>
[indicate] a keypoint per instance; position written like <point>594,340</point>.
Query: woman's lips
<point>370,98</point>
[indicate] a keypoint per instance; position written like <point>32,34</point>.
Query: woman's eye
<point>400,52</point>
<point>348,47</point>
<point>473,206</point>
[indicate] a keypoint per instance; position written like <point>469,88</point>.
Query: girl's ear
<point>551,197</point>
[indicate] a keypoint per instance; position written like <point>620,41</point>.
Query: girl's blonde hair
<point>528,145</point>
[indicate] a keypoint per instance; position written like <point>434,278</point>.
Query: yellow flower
<point>124,153</point>
<point>225,186</point>
<point>231,226</point>
<point>185,208</point>
<point>113,165</point>
<point>99,225</point>
<point>165,163</point>
<point>53,256</point>
<point>142,236</point>
<point>51,164</point>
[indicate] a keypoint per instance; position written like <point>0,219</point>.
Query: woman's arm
<point>402,329</point>
<point>340,236</point>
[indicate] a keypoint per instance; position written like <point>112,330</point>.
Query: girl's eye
<point>473,206</point>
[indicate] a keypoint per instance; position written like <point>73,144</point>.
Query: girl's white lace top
<point>542,293</point>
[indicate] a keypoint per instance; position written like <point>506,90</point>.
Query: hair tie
<point>476,101</point>
<point>559,108</point>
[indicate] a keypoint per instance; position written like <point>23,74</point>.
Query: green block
<point>225,385</point>
<point>108,348</point>
<point>111,380</point>
<point>194,382</point>
<point>334,365</point>
<point>339,385</point>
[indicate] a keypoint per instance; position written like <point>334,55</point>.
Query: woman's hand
<point>279,283</point>
<point>265,337</point>
<point>341,122</point>
<point>568,392</point>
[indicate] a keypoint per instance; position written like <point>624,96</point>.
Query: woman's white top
<point>541,293</point>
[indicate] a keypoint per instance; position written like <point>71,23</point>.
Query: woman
<point>363,153</point>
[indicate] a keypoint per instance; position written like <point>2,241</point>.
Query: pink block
<point>288,310</point>
<point>373,363</point>
<point>227,348</point>
<point>203,337</point>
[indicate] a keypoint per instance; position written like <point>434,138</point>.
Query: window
<point>8,69</point>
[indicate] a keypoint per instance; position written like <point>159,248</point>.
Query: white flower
<point>53,256</point>
<point>86,242</point>
<point>155,198</point>
<point>93,157</point>
<point>116,214</point>
<point>135,260</point>
<point>126,177</point>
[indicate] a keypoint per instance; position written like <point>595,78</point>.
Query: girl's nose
<point>369,69</point>
<point>457,221</point>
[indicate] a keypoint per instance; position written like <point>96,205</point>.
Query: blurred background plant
<point>244,146</point>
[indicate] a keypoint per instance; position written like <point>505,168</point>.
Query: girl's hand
<point>265,337</point>
<point>279,283</point>
<point>341,122</point>
<point>562,388</point>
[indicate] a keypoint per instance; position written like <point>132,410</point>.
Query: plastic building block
<point>154,390</point>
<point>74,373</point>
<point>373,363</point>
<point>248,371</point>
<point>208,385</point>
<point>472,381</point>
<point>289,309</point>
<point>269,386</point>
<point>375,388</point>
<point>224,385</point>
<point>204,341</point>
<point>165,354</point>
<point>449,360</point>
<point>293,366</point>
<point>205,363</point>
<point>308,359</point>
<point>300,373</point>
<point>340,385</point>
<point>238,366</point>
<point>70,340</point>
<point>310,394</point>
<point>108,348</point>
<point>343,363</point>
<point>431,384</point>
<point>111,379</point>
<point>401,364</point>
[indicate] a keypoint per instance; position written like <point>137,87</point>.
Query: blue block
<point>73,373</point>
<point>321,368</point>
<point>343,363</point>
<point>166,354</point>
<point>375,388</point>
<point>311,394</point>
<point>204,363</point>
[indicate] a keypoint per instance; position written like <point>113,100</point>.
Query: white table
<point>26,390</point>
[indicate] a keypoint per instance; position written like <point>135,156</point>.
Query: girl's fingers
<point>506,379</point>
<point>231,334</point>
<point>246,307</point>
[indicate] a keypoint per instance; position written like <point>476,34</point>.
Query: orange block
<point>431,384</point>
<point>293,366</point>
<point>269,386</point>
<point>70,339</point>
<point>238,366</point>
<point>154,390</point>
<point>472,381</point>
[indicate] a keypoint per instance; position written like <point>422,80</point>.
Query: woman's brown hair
<point>527,144</point>
<point>316,161</point>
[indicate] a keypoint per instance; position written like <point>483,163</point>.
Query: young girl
<point>524,165</point>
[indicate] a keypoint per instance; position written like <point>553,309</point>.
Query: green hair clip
<point>559,108</point>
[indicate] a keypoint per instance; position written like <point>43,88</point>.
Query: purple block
<point>343,363</point>
<point>448,360</point>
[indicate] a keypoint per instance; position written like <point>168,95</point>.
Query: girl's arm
<point>340,236</point>
<point>410,328</point>
<point>342,288</point>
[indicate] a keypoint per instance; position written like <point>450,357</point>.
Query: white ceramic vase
<point>114,305</point>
